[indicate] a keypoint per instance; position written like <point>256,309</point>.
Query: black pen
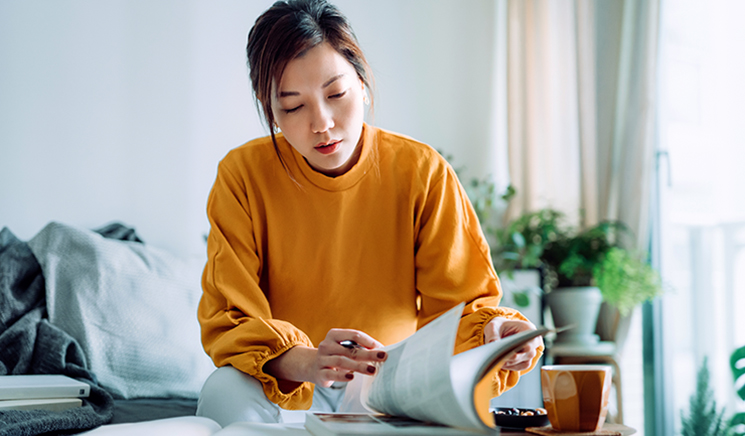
<point>349,344</point>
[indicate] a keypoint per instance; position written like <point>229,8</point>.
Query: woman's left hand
<point>500,328</point>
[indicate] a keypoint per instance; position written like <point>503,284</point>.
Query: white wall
<point>120,110</point>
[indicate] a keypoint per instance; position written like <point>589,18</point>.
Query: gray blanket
<point>29,344</point>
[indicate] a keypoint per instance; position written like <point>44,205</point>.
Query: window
<point>702,195</point>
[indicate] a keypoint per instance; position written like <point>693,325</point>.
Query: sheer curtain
<point>580,89</point>
<point>580,77</point>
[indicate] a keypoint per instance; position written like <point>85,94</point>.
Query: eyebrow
<point>325,85</point>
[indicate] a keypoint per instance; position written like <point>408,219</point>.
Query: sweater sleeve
<point>454,265</point>
<point>234,314</point>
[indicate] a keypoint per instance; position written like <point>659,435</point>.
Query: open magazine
<point>422,380</point>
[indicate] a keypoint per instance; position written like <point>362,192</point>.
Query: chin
<point>335,164</point>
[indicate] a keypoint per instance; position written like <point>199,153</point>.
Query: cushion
<point>132,308</point>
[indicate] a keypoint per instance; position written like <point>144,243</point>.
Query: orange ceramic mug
<point>576,396</point>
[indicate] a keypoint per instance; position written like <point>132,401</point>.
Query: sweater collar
<point>305,173</point>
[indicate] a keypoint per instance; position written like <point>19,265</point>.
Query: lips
<point>328,147</point>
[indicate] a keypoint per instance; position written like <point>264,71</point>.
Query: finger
<point>532,345</point>
<point>328,376</point>
<point>347,348</point>
<point>340,335</point>
<point>345,364</point>
<point>527,353</point>
<point>354,344</point>
<point>520,361</point>
<point>514,327</point>
<point>523,360</point>
<point>367,369</point>
<point>363,355</point>
<point>517,365</point>
<point>366,341</point>
<point>522,366</point>
<point>337,362</point>
<point>360,338</point>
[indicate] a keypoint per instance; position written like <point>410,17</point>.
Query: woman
<point>329,231</point>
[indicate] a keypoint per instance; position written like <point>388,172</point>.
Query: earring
<point>366,99</point>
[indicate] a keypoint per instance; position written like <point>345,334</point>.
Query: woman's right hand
<point>331,361</point>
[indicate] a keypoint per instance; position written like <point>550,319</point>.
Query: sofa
<point>104,307</point>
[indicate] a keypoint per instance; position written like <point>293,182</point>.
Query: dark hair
<point>287,30</point>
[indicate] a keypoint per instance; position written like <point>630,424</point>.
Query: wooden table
<point>297,429</point>
<point>625,431</point>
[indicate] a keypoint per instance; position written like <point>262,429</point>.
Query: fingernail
<point>371,369</point>
<point>381,355</point>
<point>349,375</point>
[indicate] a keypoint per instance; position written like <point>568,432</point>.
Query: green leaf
<point>739,373</point>
<point>521,299</point>
<point>737,425</point>
<point>704,418</point>
<point>625,280</point>
<point>571,265</point>
<point>511,191</point>
<point>518,239</point>
<point>534,251</point>
<point>736,420</point>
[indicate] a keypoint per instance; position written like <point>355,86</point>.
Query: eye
<point>289,111</point>
<point>339,95</point>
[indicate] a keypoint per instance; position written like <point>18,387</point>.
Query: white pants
<point>230,395</point>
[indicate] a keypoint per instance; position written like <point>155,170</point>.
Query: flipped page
<point>421,378</point>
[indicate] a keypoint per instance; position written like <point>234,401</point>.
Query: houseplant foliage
<point>625,279</point>
<point>570,258</point>
<point>521,243</point>
<point>703,418</point>
<point>737,363</point>
<point>566,257</point>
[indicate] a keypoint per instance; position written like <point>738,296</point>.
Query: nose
<point>322,120</point>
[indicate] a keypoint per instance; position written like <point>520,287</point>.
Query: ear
<point>365,97</point>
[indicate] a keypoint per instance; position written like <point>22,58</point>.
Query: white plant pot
<point>577,306</point>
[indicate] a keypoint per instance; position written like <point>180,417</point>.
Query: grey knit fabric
<point>29,344</point>
<point>132,308</point>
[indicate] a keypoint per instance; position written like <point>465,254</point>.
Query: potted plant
<point>704,418</point>
<point>592,264</point>
<point>581,269</point>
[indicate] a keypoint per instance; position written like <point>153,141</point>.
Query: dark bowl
<point>519,421</point>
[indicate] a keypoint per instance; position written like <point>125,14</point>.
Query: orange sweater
<point>384,248</point>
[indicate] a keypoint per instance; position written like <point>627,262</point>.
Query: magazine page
<point>367,424</point>
<point>467,369</point>
<point>415,379</point>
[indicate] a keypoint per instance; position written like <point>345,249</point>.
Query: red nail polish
<point>371,369</point>
<point>349,375</point>
<point>381,354</point>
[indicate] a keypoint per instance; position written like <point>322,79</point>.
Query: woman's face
<point>318,106</point>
